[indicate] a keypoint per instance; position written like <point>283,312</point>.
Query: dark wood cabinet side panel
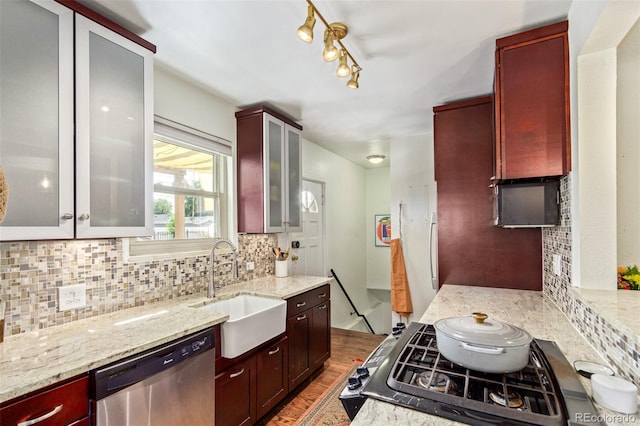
<point>250,177</point>
<point>471,250</point>
<point>533,98</point>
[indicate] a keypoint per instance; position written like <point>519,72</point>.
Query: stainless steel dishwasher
<point>169,385</point>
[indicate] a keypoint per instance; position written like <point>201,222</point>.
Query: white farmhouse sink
<point>252,321</point>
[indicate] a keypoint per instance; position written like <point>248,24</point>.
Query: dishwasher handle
<point>124,373</point>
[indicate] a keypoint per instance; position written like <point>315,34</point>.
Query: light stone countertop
<point>36,359</point>
<point>619,307</point>
<point>525,309</point>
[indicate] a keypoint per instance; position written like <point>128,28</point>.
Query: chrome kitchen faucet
<point>212,288</point>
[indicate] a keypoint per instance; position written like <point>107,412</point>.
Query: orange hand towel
<point>400,294</point>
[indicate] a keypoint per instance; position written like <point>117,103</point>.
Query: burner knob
<point>362,371</point>
<point>396,331</point>
<point>354,382</point>
<point>401,326</point>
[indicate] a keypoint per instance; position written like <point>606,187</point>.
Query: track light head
<point>353,81</point>
<point>343,69</point>
<point>330,52</point>
<point>305,31</point>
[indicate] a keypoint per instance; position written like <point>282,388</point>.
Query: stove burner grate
<point>420,370</point>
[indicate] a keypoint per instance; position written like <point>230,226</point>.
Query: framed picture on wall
<point>383,230</point>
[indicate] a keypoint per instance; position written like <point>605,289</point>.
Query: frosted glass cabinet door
<point>114,134</point>
<point>36,119</point>
<point>294,180</point>
<point>274,174</point>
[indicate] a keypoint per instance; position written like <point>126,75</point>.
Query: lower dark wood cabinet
<point>236,394</point>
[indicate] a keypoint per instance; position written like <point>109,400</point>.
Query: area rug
<point>328,410</point>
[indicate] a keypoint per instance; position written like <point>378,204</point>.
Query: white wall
<point>412,185</point>
<point>346,231</point>
<point>183,102</point>
<point>378,188</point>
<point>596,29</point>
<point>628,155</point>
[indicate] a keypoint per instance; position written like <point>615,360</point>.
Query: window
<point>191,191</point>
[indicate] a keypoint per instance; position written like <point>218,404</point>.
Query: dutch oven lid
<point>480,330</point>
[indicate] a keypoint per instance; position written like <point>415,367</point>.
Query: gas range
<point>410,371</point>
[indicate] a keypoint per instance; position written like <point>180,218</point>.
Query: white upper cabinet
<point>98,185</point>
<point>36,119</point>
<point>114,131</point>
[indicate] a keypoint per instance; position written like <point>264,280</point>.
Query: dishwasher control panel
<point>114,377</point>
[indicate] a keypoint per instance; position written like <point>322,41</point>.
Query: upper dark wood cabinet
<point>269,171</point>
<point>532,127</point>
<point>471,251</point>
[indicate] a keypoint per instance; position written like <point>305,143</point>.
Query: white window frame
<point>136,250</point>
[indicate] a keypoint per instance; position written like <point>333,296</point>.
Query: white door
<point>311,252</point>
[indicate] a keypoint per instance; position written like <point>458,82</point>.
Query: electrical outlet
<point>251,266</point>
<point>557,264</point>
<point>72,297</point>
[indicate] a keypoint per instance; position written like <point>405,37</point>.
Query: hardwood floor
<point>347,347</point>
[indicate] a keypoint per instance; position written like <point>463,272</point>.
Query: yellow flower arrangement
<point>628,277</point>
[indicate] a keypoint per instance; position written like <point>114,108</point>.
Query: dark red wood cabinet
<point>308,328</point>
<point>63,404</point>
<point>272,384</point>
<point>471,251</point>
<point>236,394</point>
<point>532,119</point>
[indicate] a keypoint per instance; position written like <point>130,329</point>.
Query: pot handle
<point>481,349</point>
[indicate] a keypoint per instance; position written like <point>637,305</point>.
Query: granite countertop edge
<point>36,359</point>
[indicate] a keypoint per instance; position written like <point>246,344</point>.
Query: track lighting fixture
<point>334,33</point>
<point>305,31</point>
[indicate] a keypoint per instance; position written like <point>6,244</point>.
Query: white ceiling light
<point>375,159</point>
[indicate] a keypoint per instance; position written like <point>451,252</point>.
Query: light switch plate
<point>557,265</point>
<point>251,266</point>
<point>72,297</point>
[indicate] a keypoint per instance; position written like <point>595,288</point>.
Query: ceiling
<point>415,54</point>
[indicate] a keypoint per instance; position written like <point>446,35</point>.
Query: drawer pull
<point>322,296</point>
<point>300,305</point>
<point>231,376</point>
<point>42,417</point>
<point>304,317</point>
<point>275,351</point>
<point>322,307</point>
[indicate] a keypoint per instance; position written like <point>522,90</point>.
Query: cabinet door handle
<point>300,305</point>
<point>304,317</point>
<point>67,216</point>
<point>275,351</point>
<point>322,296</point>
<point>322,307</point>
<point>231,376</point>
<point>42,417</point>
<point>84,216</point>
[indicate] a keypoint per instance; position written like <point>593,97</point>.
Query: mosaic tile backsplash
<point>617,345</point>
<point>31,272</point>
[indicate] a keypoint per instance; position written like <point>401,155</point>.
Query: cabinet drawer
<point>63,405</point>
<point>304,301</point>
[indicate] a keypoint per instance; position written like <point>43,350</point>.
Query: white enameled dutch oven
<point>483,344</point>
